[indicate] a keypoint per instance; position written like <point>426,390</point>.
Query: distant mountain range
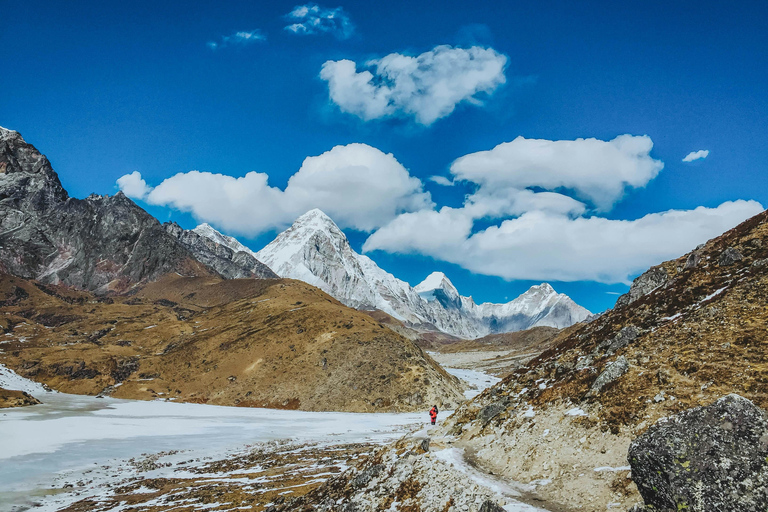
<point>316,251</point>
<point>109,244</point>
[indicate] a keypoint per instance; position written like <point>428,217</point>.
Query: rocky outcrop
<point>643,285</point>
<point>229,263</point>
<point>100,243</point>
<point>705,458</point>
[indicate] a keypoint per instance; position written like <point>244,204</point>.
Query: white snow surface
<point>69,436</point>
<point>209,232</point>
<point>316,251</point>
<point>12,380</point>
<point>476,381</point>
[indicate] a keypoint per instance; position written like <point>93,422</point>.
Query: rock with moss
<point>704,459</point>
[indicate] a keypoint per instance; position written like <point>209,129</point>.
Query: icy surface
<point>476,381</point>
<point>68,434</point>
<point>11,380</point>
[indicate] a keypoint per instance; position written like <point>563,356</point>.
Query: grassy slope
<point>262,343</point>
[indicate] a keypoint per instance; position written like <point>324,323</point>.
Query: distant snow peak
<point>316,251</point>
<point>212,234</point>
<point>438,287</point>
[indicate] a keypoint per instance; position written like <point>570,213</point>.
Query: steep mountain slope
<point>248,342</point>
<point>690,331</point>
<point>229,260</point>
<point>316,251</point>
<point>99,243</point>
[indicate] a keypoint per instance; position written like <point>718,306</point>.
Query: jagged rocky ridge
<point>316,251</point>
<point>100,243</point>
<point>226,258</point>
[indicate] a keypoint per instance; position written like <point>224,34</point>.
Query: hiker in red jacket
<point>433,414</point>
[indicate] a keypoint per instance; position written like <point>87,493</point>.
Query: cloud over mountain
<point>426,87</point>
<point>596,170</point>
<point>542,232</point>
<point>360,186</point>
<point>546,245</point>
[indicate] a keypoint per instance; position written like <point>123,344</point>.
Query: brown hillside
<point>690,331</point>
<point>534,340</point>
<point>261,343</point>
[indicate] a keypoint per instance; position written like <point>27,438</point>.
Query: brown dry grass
<point>263,343</point>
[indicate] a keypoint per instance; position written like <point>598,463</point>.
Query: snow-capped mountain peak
<point>316,251</point>
<point>438,287</point>
<point>212,234</point>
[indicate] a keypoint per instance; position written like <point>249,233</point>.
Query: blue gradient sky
<point>108,88</point>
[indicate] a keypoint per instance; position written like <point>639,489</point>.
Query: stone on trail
<point>705,459</point>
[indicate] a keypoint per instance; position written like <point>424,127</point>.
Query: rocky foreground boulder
<point>705,459</point>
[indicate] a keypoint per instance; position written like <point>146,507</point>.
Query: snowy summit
<point>316,251</point>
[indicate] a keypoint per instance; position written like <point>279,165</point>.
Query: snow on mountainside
<point>209,232</point>
<point>316,251</point>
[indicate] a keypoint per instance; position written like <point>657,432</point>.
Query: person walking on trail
<point>433,414</point>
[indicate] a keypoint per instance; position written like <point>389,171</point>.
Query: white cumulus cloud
<point>311,19</point>
<point>541,245</point>
<point>133,185</point>
<point>241,37</point>
<point>441,180</point>
<point>531,189</point>
<point>427,86</point>
<point>696,155</point>
<point>358,185</point>
<point>596,170</point>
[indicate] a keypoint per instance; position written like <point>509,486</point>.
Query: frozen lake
<point>45,446</point>
<point>72,438</point>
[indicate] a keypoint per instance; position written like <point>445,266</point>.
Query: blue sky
<point>106,89</point>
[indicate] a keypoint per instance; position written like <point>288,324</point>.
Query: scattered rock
<point>489,412</point>
<point>729,257</point>
<point>693,260</point>
<point>490,506</point>
<point>705,458</point>
<point>625,336</point>
<point>643,285</point>
<point>367,475</point>
<point>612,372</point>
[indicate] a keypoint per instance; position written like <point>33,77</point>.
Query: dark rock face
<point>228,263</point>
<point>99,243</point>
<point>729,257</point>
<point>491,506</point>
<point>611,373</point>
<point>704,459</point>
<point>643,285</point>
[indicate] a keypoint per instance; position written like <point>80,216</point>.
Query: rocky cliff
<point>230,263</point>
<point>99,243</point>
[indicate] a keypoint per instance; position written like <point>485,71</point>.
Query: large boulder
<point>705,459</point>
<point>644,284</point>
